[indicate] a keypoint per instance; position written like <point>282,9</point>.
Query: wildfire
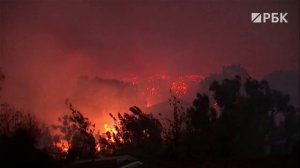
<point>98,147</point>
<point>179,88</point>
<point>151,94</point>
<point>63,146</point>
<point>109,129</point>
<point>152,91</point>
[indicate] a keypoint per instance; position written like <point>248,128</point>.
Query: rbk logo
<point>269,17</point>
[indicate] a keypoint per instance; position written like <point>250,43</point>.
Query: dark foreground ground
<point>260,162</point>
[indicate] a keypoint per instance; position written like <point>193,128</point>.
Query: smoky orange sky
<point>52,50</point>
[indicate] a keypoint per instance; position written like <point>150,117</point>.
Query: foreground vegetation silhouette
<point>238,121</point>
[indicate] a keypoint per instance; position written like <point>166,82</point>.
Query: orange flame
<point>63,146</point>
<point>112,131</point>
<point>109,129</point>
<point>98,147</point>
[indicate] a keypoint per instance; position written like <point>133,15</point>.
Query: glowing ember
<point>98,147</point>
<point>152,91</point>
<point>179,88</point>
<point>63,146</point>
<point>152,94</point>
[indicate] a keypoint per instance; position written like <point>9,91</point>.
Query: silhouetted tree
<point>240,119</point>
<point>138,134</point>
<point>247,115</point>
<point>20,140</point>
<point>78,131</point>
<point>201,115</point>
<point>200,120</point>
<point>174,134</point>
